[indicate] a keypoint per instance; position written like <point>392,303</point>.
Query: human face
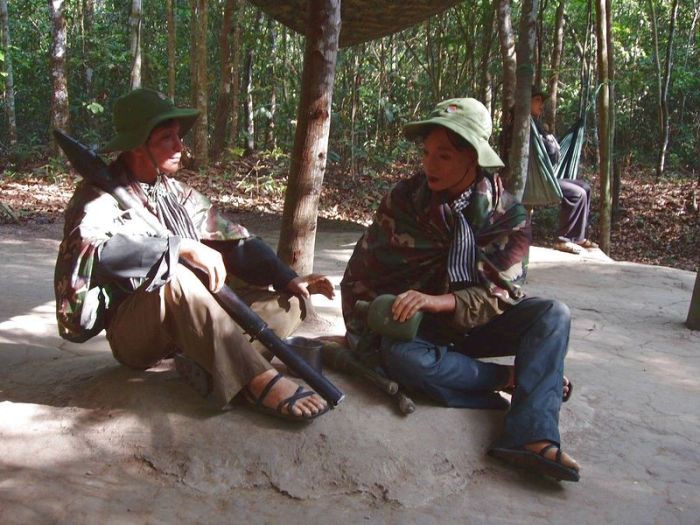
<point>536,106</point>
<point>165,147</point>
<point>446,167</point>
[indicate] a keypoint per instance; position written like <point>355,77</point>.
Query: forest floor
<point>658,221</point>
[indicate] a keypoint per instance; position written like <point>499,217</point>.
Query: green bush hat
<point>138,112</point>
<point>469,119</point>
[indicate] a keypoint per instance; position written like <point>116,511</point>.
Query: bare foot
<point>284,388</point>
<point>551,454</point>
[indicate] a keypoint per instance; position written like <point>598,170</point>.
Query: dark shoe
<point>287,403</point>
<point>537,462</point>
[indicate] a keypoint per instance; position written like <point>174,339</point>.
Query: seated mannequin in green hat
<point>451,244</point>
<point>114,273</point>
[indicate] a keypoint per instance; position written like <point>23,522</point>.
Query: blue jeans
<point>535,331</point>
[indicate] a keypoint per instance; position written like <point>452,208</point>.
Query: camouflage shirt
<point>406,246</point>
<point>91,218</point>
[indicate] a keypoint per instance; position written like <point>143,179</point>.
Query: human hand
<point>407,304</point>
<point>205,258</point>
<point>314,283</point>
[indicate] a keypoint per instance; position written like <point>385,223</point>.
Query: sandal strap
<point>268,387</point>
<point>291,400</point>
<point>544,450</point>
<point>557,457</point>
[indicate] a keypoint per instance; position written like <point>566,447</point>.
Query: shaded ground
<point>88,441</point>
<point>658,222</point>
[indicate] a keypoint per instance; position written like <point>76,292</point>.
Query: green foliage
<point>384,83</point>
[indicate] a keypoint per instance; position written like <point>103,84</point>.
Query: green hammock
<point>571,146</point>
<point>541,186</point>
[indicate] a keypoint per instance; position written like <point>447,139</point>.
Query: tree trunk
<point>604,145</point>
<point>135,19</point>
<point>249,104</point>
<point>353,113</point>
<point>614,163</point>
<point>539,43</point>
<point>87,42</point>
<point>249,107</point>
<point>550,110</point>
<point>271,137</point>
<point>485,80</point>
<point>520,146</point>
<point>172,42</point>
<point>308,162</point>
<point>664,82</point>
<point>9,79</point>
<point>223,102</point>
<point>235,74</point>
<point>693,320</point>
<point>193,54</point>
<point>201,149</point>
<point>507,46</point>
<point>59,97</point>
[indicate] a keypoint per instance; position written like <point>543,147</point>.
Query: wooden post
<point>308,162</point>
<point>693,321</point>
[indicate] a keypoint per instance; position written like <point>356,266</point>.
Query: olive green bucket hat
<point>138,112</point>
<point>469,119</point>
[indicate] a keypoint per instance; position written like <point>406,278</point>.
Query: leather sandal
<point>287,402</point>
<point>537,462</point>
<point>568,247</point>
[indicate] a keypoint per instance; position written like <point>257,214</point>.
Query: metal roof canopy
<point>361,20</point>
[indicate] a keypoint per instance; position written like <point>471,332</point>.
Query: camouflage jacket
<point>407,244</point>
<point>92,217</point>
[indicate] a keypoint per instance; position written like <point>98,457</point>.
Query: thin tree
<point>485,92</point>
<point>604,123</point>
<point>550,111</point>
<point>520,143</point>
<point>249,104</point>
<point>223,101</point>
<point>200,15</point>
<point>87,14</point>
<point>172,41</point>
<point>507,47</point>
<point>59,97</point>
<point>308,162</point>
<point>663,81</point>
<point>9,79</point>
<point>271,137</point>
<point>235,76</point>
<point>135,21</point>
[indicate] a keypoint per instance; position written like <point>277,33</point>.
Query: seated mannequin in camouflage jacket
<point>450,242</point>
<point>113,272</point>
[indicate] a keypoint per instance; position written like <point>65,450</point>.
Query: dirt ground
<point>87,441</point>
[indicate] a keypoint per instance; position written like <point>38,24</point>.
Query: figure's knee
<point>409,362</point>
<point>185,287</point>
<point>556,314</point>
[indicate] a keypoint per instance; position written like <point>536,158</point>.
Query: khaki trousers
<point>184,316</point>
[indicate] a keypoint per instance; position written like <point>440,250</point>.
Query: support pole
<point>308,162</point>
